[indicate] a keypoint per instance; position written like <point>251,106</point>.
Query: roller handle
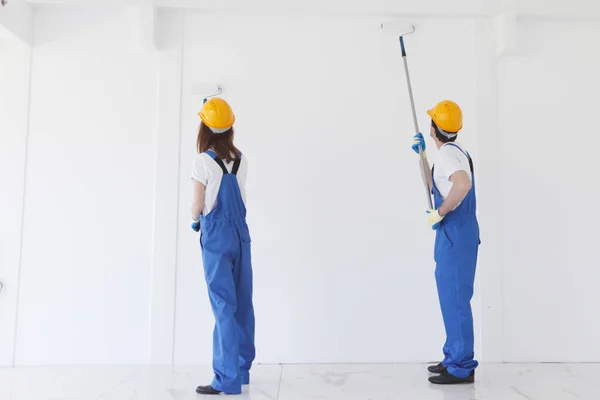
<point>402,46</point>
<point>422,164</point>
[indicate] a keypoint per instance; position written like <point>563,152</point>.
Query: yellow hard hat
<point>217,115</point>
<point>447,116</point>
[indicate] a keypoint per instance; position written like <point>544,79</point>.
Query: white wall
<point>89,193</point>
<point>112,274</point>
<point>548,102</point>
<point>342,255</point>
<point>14,102</point>
<point>489,274</point>
<point>169,26</point>
<point>17,21</point>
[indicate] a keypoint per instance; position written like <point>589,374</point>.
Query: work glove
<point>196,225</point>
<point>418,140</point>
<point>434,219</point>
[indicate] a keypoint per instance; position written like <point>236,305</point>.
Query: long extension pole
<point>414,113</point>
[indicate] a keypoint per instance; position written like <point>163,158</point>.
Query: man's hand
<point>418,141</point>
<point>434,219</point>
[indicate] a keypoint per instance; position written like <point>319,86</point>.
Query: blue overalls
<point>225,243</point>
<point>456,246</point>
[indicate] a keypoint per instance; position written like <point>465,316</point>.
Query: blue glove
<point>434,219</point>
<point>418,141</point>
<point>196,225</point>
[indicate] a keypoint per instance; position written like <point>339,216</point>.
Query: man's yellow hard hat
<point>447,116</point>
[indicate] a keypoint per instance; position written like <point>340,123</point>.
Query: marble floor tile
<point>493,382</point>
<point>304,382</point>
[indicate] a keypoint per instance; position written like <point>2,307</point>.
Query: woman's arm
<point>460,188</point>
<point>199,191</point>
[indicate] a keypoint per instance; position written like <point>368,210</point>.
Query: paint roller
<point>200,89</point>
<point>402,30</point>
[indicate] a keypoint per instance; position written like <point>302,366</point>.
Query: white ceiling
<point>543,8</point>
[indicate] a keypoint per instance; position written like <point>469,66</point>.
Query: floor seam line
<point>280,379</point>
<point>119,384</point>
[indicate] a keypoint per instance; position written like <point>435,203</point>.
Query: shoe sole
<point>453,383</point>
<point>468,380</point>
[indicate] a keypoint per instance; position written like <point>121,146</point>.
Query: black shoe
<point>207,390</point>
<point>436,369</point>
<point>445,378</point>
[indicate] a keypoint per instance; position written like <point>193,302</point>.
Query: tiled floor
<point>304,382</point>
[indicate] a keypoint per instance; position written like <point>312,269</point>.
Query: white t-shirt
<point>450,159</point>
<point>206,171</point>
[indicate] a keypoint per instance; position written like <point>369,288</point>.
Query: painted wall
<point>87,232</point>
<point>548,99</point>
<point>342,255</point>
<point>112,274</point>
<point>15,60</point>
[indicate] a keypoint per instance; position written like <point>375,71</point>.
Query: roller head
<point>397,28</point>
<point>205,89</point>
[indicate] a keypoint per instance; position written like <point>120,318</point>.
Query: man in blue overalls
<point>456,243</point>
<point>219,212</point>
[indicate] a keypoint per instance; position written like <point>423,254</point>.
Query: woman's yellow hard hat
<point>217,115</point>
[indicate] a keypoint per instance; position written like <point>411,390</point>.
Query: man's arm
<point>460,188</point>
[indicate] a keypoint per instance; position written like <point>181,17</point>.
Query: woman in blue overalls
<point>456,243</point>
<point>219,212</point>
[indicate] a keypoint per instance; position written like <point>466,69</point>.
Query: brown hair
<point>220,143</point>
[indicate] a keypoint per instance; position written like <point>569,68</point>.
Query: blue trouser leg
<point>455,274</point>
<point>446,350</point>
<point>218,266</point>
<point>244,315</point>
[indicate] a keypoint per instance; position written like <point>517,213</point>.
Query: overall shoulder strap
<point>211,153</point>
<point>236,165</point>
<point>222,165</point>
<point>218,161</point>
<point>464,152</point>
